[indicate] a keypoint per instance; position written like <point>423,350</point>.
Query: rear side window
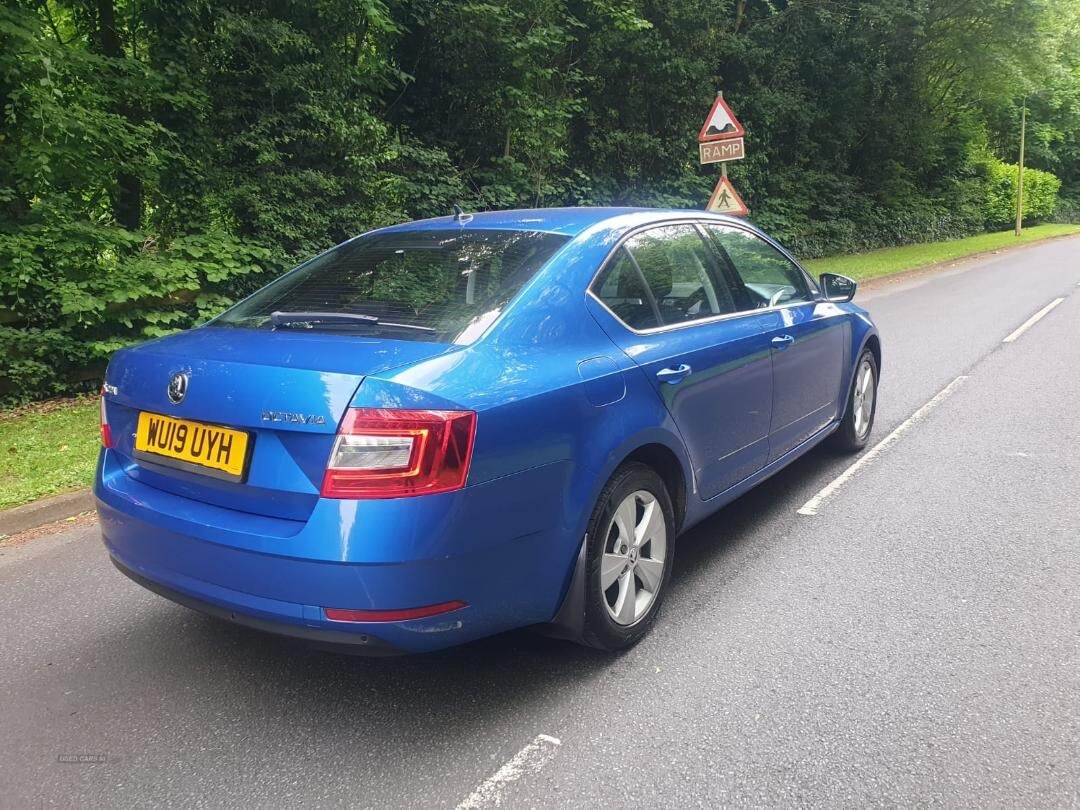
<point>664,276</point>
<point>444,286</point>
<point>769,277</point>
<point>622,289</point>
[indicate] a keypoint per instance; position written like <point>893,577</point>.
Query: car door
<point>808,345</point>
<point>674,314</point>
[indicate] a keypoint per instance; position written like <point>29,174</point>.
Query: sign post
<point>1020,173</point>
<point>721,140</point>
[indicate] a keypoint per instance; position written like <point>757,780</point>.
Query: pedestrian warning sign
<point>721,123</point>
<point>726,200</point>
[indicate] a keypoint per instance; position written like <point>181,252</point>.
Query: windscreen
<point>444,286</point>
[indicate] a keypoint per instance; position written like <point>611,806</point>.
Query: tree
<point>159,158</point>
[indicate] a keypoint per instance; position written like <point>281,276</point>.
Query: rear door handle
<point>782,342</point>
<point>673,375</point>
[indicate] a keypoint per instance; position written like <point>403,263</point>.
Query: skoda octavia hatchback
<point>446,429</point>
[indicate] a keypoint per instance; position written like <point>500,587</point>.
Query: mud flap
<point>569,621</point>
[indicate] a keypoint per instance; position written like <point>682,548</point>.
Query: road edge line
<point>1030,322</point>
<point>530,759</point>
<point>812,506</point>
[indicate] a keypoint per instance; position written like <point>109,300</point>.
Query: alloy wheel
<point>635,552</point>
<point>863,403</point>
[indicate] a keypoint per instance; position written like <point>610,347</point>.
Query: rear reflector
<point>344,615</point>
<point>392,453</point>
<point>106,432</point>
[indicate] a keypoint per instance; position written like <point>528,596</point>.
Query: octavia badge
<point>177,387</point>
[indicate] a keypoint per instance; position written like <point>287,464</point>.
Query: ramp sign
<point>721,125</point>
<point>721,136</point>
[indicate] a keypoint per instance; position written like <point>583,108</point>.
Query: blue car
<point>446,429</point>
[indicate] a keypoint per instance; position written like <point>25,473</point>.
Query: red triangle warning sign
<point>726,200</point>
<point>721,123</point>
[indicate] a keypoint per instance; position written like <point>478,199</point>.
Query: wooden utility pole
<point>1020,172</point>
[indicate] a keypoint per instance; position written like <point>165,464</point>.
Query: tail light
<point>106,432</point>
<point>390,453</point>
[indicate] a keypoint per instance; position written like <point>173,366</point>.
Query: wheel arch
<point>873,343</point>
<point>659,449</point>
<point>868,340</point>
<point>663,460</point>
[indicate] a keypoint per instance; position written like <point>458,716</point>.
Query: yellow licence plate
<point>217,451</point>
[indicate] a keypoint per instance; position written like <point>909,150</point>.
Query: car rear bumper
<point>498,547</point>
<point>358,643</point>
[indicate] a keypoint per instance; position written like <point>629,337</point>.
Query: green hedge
<point>1068,206</point>
<point>77,291</point>
<point>1040,194</point>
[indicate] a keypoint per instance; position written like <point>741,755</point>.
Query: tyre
<point>854,431</point>
<point>628,557</point>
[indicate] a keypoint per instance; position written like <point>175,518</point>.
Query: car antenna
<point>460,216</point>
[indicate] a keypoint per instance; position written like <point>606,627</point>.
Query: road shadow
<point>704,546</point>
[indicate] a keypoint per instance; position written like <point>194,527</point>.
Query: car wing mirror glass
<point>837,288</point>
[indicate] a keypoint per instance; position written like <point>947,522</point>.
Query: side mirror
<point>838,289</point>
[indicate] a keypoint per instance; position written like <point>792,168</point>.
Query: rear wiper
<point>338,318</point>
<point>299,318</point>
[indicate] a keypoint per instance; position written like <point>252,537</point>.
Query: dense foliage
<point>158,158</point>
<point>1040,194</point>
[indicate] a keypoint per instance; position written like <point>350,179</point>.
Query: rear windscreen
<point>444,286</point>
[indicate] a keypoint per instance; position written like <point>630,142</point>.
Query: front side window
<point>444,286</point>
<point>769,277</point>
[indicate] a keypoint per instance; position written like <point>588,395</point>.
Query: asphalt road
<point>917,642</point>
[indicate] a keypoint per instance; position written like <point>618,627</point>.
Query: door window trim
<point>815,293</point>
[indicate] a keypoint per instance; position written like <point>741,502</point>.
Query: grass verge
<point>47,448</point>
<point>885,262</point>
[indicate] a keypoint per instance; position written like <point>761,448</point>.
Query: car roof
<point>566,221</point>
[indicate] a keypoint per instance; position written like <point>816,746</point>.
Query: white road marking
<point>812,506</point>
<point>529,759</point>
<point>1034,319</point>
